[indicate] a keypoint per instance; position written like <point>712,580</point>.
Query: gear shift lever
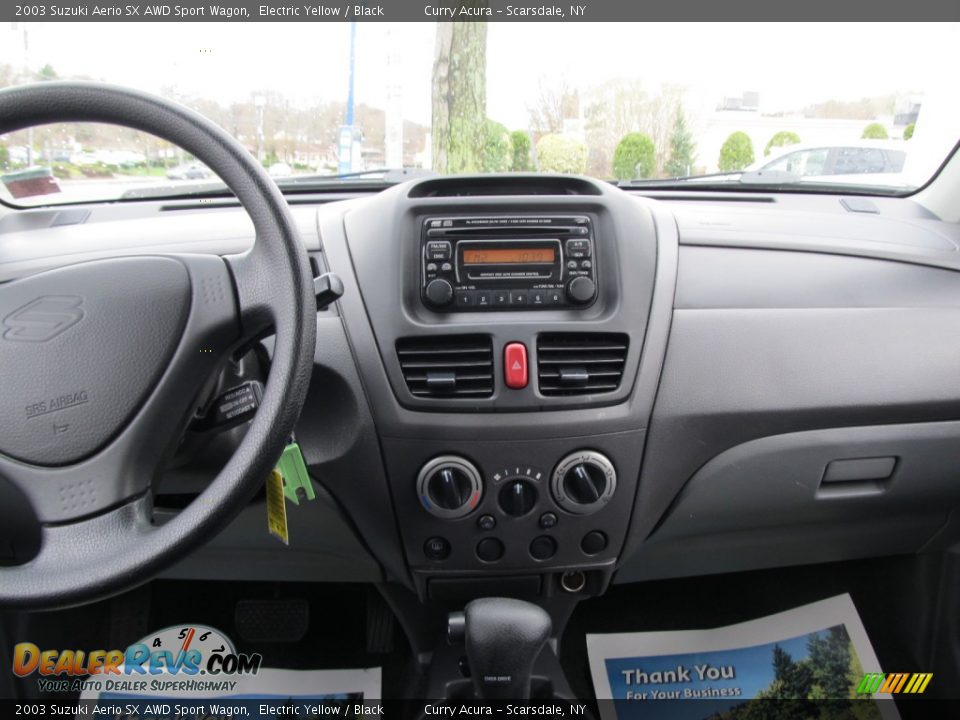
<point>503,639</point>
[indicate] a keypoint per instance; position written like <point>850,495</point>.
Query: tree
<point>829,659</point>
<point>682,148</point>
<point>4,157</point>
<point>559,153</point>
<point>520,151</point>
<point>781,139</point>
<point>736,153</point>
<point>459,96</point>
<point>495,156</point>
<point>908,131</point>
<point>554,103</point>
<point>47,73</point>
<point>621,106</point>
<point>634,157</point>
<point>874,131</point>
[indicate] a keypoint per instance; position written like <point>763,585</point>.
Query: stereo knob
<point>583,482</point>
<point>581,290</point>
<point>439,292</point>
<point>449,487</point>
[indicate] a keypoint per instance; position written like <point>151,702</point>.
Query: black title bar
<point>739,11</point>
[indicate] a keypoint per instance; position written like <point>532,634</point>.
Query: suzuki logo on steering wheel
<point>44,318</point>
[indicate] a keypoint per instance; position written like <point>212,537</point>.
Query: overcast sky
<point>790,65</point>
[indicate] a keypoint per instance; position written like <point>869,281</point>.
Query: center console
<point>510,348</point>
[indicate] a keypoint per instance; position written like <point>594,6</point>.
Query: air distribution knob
<point>583,482</point>
<point>449,487</point>
<point>439,292</point>
<point>581,290</point>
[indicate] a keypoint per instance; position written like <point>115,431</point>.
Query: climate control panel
<point>531,508</point>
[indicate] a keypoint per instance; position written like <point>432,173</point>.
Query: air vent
<point>447,366</point>
<point>580,363</point>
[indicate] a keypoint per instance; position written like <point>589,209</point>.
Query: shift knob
<point>503,639</point>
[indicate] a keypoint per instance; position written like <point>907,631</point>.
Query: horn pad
<point>81,347</point>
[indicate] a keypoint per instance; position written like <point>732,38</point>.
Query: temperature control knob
<point>583,482</point>
<point>439,292</point>
<point>449,487</point>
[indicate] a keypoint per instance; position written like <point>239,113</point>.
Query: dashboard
<point>549,384</point>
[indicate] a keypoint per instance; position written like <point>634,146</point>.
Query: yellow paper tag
<point>276,508</point>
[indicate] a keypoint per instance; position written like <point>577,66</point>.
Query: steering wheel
<point>103,362</point>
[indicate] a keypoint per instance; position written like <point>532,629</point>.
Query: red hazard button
<point>515,365</point>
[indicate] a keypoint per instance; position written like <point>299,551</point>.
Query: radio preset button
<point>554,297</point>
<point>466,298</point>
<point>483,299</point>
<point>518,297</point>
<point>538,297</point>
<point>501,297</point>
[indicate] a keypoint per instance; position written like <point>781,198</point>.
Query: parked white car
<point>863,157</point>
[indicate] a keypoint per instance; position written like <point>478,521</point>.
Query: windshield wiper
<point>675,181</point>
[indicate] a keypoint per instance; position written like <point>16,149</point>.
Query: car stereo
<point>507,263</point>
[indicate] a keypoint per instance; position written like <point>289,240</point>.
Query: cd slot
<point>497,231</point>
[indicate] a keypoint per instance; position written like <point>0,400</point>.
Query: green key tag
<point>294,472</point>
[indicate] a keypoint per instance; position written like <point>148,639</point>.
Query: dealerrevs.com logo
<point>185,650</point>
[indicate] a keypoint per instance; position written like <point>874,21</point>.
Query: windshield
<point>865,106</point>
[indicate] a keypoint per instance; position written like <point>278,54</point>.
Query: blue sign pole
<point>346,132</point>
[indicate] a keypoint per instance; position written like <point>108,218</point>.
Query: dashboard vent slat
<point>447,366</point>
<point>580,363</point>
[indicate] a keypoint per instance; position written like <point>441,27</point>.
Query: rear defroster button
<point>436,548</point>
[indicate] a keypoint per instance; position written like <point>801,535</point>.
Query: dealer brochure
<point>268,694</point>
<point>818,651</point>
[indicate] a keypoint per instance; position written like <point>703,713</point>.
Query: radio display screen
<point>510,256</point>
